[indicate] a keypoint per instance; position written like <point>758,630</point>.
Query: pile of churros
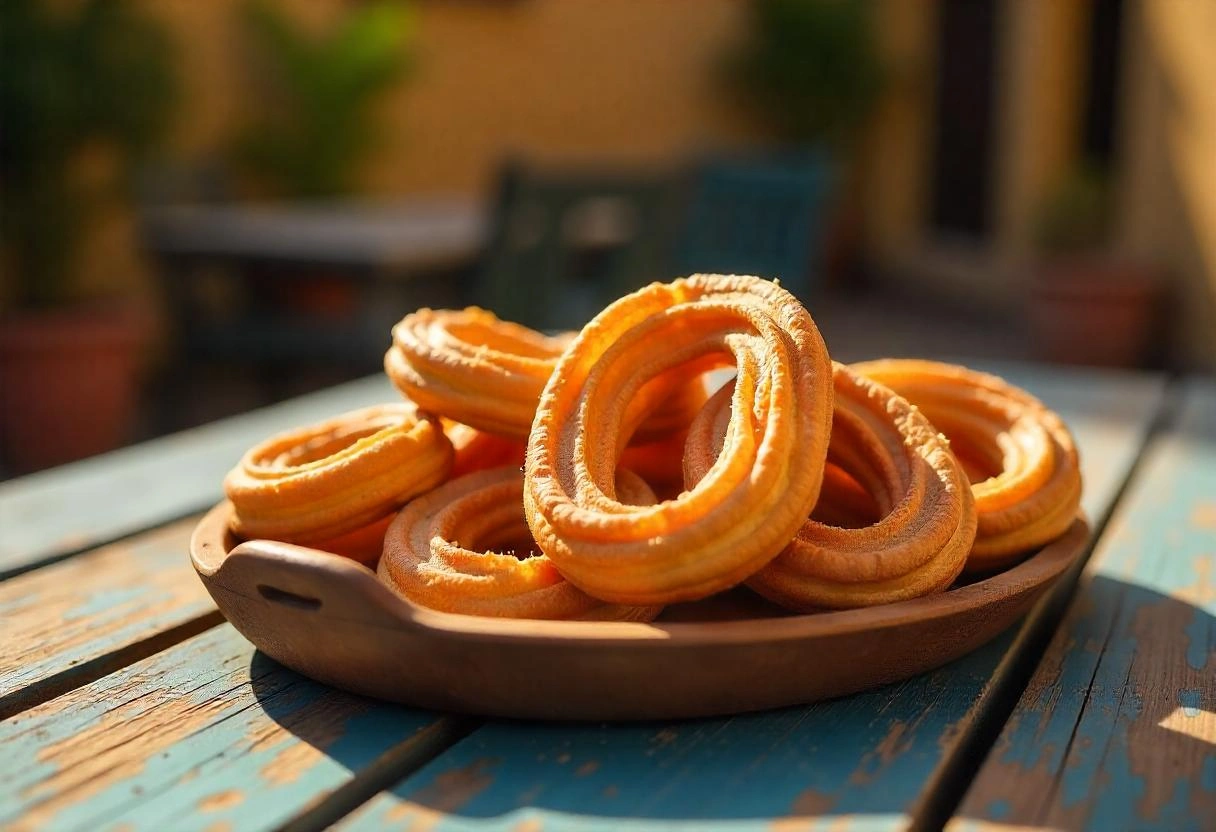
<point>595,475</point>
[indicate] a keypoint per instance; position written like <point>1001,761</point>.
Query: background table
<point>129,704</point>
<point>271,290</point>
<point>362,238</point>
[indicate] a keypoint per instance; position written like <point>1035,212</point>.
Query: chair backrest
<point>164,182</point>
<point>763,216</point>
<point>566,242</point>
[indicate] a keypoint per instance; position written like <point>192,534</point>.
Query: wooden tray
<point>331,619</point>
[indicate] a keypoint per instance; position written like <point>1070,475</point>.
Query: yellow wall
<point>635,80</point>
<point>896,153</point>
<point>628,80</point>
<point>1038,82</point>
<point>1041,79</point>
<point>1165,165</point>
<point>556,78</point>
<point>1169,159</point>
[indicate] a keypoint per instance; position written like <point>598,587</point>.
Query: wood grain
<point>207,735</point>
<point>1117,729</point>
<point>869,761</point>
<point>70,623</point>
<point>55,513</point>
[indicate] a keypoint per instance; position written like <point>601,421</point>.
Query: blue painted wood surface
<point>208,735</point>
<point>858,763</point>
<point>1117,730</point>
<point>72,622</point>
<point>47,515</point>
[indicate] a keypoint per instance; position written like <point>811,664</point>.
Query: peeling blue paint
<point>1134,611</point>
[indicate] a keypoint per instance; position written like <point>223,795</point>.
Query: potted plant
<point>80,90</point>
<point>813,72</point>
<point>1088,304</point>
<point>315,118</point>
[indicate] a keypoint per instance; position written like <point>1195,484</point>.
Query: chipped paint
<point>221,800</point>
<point>1131,715</point>
<point>96,604</point>
<point>1204,516</point>
<point>327,718</point>
<point>812,803</point>
<point>745,771</point>
<point>151,744</point>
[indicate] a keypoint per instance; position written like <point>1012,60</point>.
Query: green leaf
<point>99,73</point>
<point>312,126</point>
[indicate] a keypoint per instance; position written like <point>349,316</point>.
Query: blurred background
<point>207,207</point>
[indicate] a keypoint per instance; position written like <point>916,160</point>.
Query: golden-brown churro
<point>477,450</point>
<point>437,553</point>
<point>364,544</point>
<point>660,463</point>
<point>324,481</point>
<point>753,498</point>
<point>471,367</point>
<point>1027,477</point>
<point>927,521</point>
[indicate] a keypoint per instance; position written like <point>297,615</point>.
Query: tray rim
<point>1037,572</point>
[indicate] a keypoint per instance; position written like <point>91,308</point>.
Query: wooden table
<point>421,233</point>
<point>302,284</point>
<point>130,704</point>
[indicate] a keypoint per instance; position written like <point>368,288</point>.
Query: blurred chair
<point>761,215</point>
<point>164,182</point>
<point>564,243</point>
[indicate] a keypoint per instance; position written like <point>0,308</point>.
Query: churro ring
<point>883,444</point>
<point>327,480</point>
<point>471,367</point>
<point>1026,473</point>
<point>476,450</point>
<point>660,463</point>
<point>364,544</point>
<point>843,501</point>
<point>752,499</point>
<point>423,562</point>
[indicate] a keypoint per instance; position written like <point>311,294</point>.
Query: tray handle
<point>304,581</point>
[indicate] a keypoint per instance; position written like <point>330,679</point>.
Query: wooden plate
<point>331,619</point>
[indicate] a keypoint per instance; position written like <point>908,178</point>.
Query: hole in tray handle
<point>289,599</point>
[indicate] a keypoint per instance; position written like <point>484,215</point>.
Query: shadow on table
<point>867,755</point>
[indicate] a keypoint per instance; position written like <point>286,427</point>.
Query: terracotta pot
<point>1095,310</point>
<point>333,298</point>
<point>68,383</point>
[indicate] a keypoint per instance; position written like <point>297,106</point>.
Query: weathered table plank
<point>55,513</point>
<point>1117,728</point>
<point>855,763</point>
<point>73,622</point>
<point>869,761</point>
<point>208,735</point>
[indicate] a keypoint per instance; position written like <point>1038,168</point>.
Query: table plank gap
<point>72,623</point>
<point>1117,726</point>
<point>57,684</point>
<point>866,761</point>
<point>1010,679</point>
<point>394,765</point>
<point>208,734</point>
